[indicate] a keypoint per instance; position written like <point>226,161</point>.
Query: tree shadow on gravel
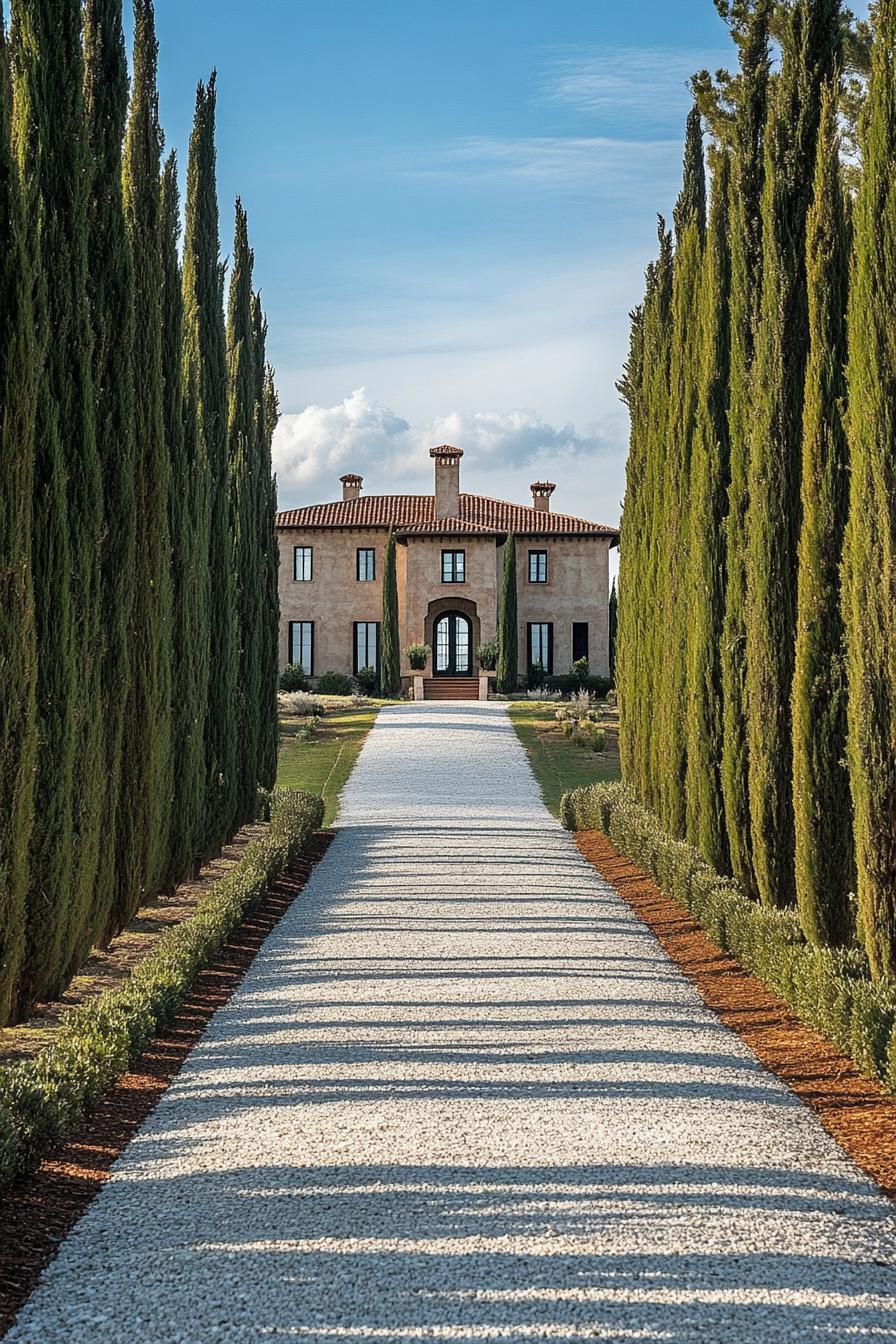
<point>402,1252</point>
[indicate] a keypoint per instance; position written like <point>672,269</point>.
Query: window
<point>453,566</point>
<point>302,569</point>
<point>541,646</point>
<point>579,640</point>
<point>367,645</point>
<point>366,567</point>
<point>301,644</point>
<point>538,566</point>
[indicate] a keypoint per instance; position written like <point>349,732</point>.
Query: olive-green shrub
<point>830,989</point>
<point>42,1100</point>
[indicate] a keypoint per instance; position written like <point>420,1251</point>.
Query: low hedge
<point>44,1099</point>
<point>830,989</point>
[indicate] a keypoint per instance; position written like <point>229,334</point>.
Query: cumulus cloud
<point>313,448</point>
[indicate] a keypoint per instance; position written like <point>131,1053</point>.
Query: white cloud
<point>602,167</point>
<point>503,452</point>
<point>630,80</point>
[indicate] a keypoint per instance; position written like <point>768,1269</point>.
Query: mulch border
<point>38,1211</point>
<point>855,1110</point>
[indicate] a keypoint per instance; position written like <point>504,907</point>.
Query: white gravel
<point>463,1094</point>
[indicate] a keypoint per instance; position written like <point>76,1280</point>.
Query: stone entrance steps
<point>450,688</point>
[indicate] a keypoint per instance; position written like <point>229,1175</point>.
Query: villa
<point>450,557</point>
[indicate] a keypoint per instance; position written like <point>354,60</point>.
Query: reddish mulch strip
<point>38,1212</point>
<point>853,1109</point>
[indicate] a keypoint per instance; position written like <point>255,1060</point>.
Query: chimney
<point>447,460</point>
<point>541,495</point>
<point>351,486</point>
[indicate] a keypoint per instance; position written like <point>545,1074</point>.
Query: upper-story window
<point>366,564</point>
<point>302,564</point>
<point>538,566</point>
<point>453,566</point>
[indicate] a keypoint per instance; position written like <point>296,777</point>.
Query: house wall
<point>577,590</point>
<point>424,587</point>
<point>334,599</point>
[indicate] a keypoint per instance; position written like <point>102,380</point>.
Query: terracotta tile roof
<point>415,514</point>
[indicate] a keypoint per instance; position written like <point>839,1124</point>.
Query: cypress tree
<point>207,346</point>
<point>748,171</point>
<point>188,527</point>
<point>673,535</point>
<point>68,515</point>
<point>267,415</point>
<point>18,648</point>
<point>244,487</point>
<point>709,482</point>
<point>150,783</point>
<point>507,671</point>
<point>641,646</point>
<point>112,310</point>
<point>782,342</point>
<point>869,575</point>
<point>822,809</point>
<point>612,631</point>
<point>390,654</point>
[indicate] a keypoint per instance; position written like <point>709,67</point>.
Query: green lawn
<point>322,763</point>
<point>559,763</point>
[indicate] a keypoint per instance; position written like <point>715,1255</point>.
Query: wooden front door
<point>453,637</point>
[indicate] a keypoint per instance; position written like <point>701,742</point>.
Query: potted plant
<point>417,656</point>
<point>488,655</point>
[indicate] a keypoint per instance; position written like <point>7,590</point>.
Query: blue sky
<point>452,207</point>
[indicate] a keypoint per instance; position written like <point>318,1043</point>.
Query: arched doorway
<point>452,645</point>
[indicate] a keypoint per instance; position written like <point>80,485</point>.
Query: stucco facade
<point>450,604</point>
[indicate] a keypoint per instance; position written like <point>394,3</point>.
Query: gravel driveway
<point>463,1094</point>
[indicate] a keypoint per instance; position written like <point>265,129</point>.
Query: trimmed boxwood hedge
<point>829,989</point>
<point>44,1099</point>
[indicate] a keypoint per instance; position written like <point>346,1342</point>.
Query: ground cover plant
<point>561,747</point>
<point>41,1101</point>
<point>831,989</point>
<point>321,760</point>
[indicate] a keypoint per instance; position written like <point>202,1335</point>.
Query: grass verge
<point>560,763</point>
<point>320,761</point>
<point>43,1100</point>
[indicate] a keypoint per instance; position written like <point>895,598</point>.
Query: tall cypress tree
<point>112,311</point>
<point>390,653</point>
<point>641,647</point>
<point>188,528</point>
<point>690,234</point>
<point>18,648</point>
<point>206,344</point>
<point>267,416</point>
<point>822,809</point>
<point>244,487</point>
<point>151,780</point>
<point>613,626</point>
<point>809,59</point>
<point>507,671</point>
<point>67,521</point>
<point>709,482</point>
<point>869,573</point>
<point>751,109</point>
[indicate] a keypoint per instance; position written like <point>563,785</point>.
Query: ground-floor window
<point>367,645</point>
<point>541,646</point>
<point>579,640</point>
<point>301,644</point>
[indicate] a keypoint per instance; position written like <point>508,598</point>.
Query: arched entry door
<point>452,640</point>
